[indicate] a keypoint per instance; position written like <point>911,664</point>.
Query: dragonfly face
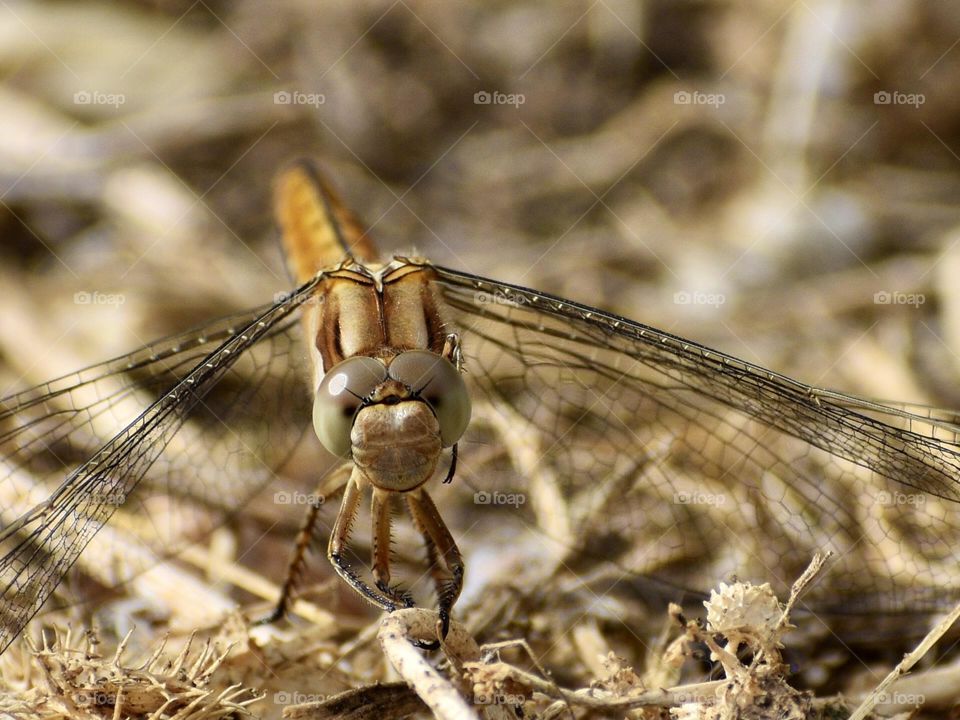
<point>393,420</point>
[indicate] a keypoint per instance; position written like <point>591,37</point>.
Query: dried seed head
<point>746,613</point>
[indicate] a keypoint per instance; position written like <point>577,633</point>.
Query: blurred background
<point>775,179</point>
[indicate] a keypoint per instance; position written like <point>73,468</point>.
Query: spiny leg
<point>380,516</point>
<point>437,572</point>
<point>339,538</point>
<point>448,576</point>
<point>298,558</point>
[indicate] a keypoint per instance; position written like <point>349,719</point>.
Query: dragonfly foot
<point>401,597</point>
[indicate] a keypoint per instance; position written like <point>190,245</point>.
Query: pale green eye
<point>340,395</point>
<point>439,383</point>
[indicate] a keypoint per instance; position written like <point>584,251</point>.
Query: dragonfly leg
<point>336,550</point>
<point>380,515</point>
<point>328,486</point>
<point>448,574</point>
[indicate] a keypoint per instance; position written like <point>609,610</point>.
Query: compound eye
<point>340,395</point>
<point>438,382</point>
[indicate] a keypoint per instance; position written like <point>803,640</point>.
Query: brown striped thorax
<point>375,309</point>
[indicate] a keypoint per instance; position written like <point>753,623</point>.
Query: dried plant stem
<point>397,633</point>
<point>909,660</point>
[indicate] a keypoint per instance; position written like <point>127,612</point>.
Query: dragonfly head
<point>392,417</point>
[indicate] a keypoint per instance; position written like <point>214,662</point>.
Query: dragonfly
<point>651,466</point>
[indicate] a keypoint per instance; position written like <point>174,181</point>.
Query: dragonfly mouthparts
<point>397,445</point>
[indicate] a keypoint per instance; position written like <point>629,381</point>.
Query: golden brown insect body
<point>389,394</point>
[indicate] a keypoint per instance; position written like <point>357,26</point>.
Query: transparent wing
<point>664,466</point>
<point>206,416</point>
